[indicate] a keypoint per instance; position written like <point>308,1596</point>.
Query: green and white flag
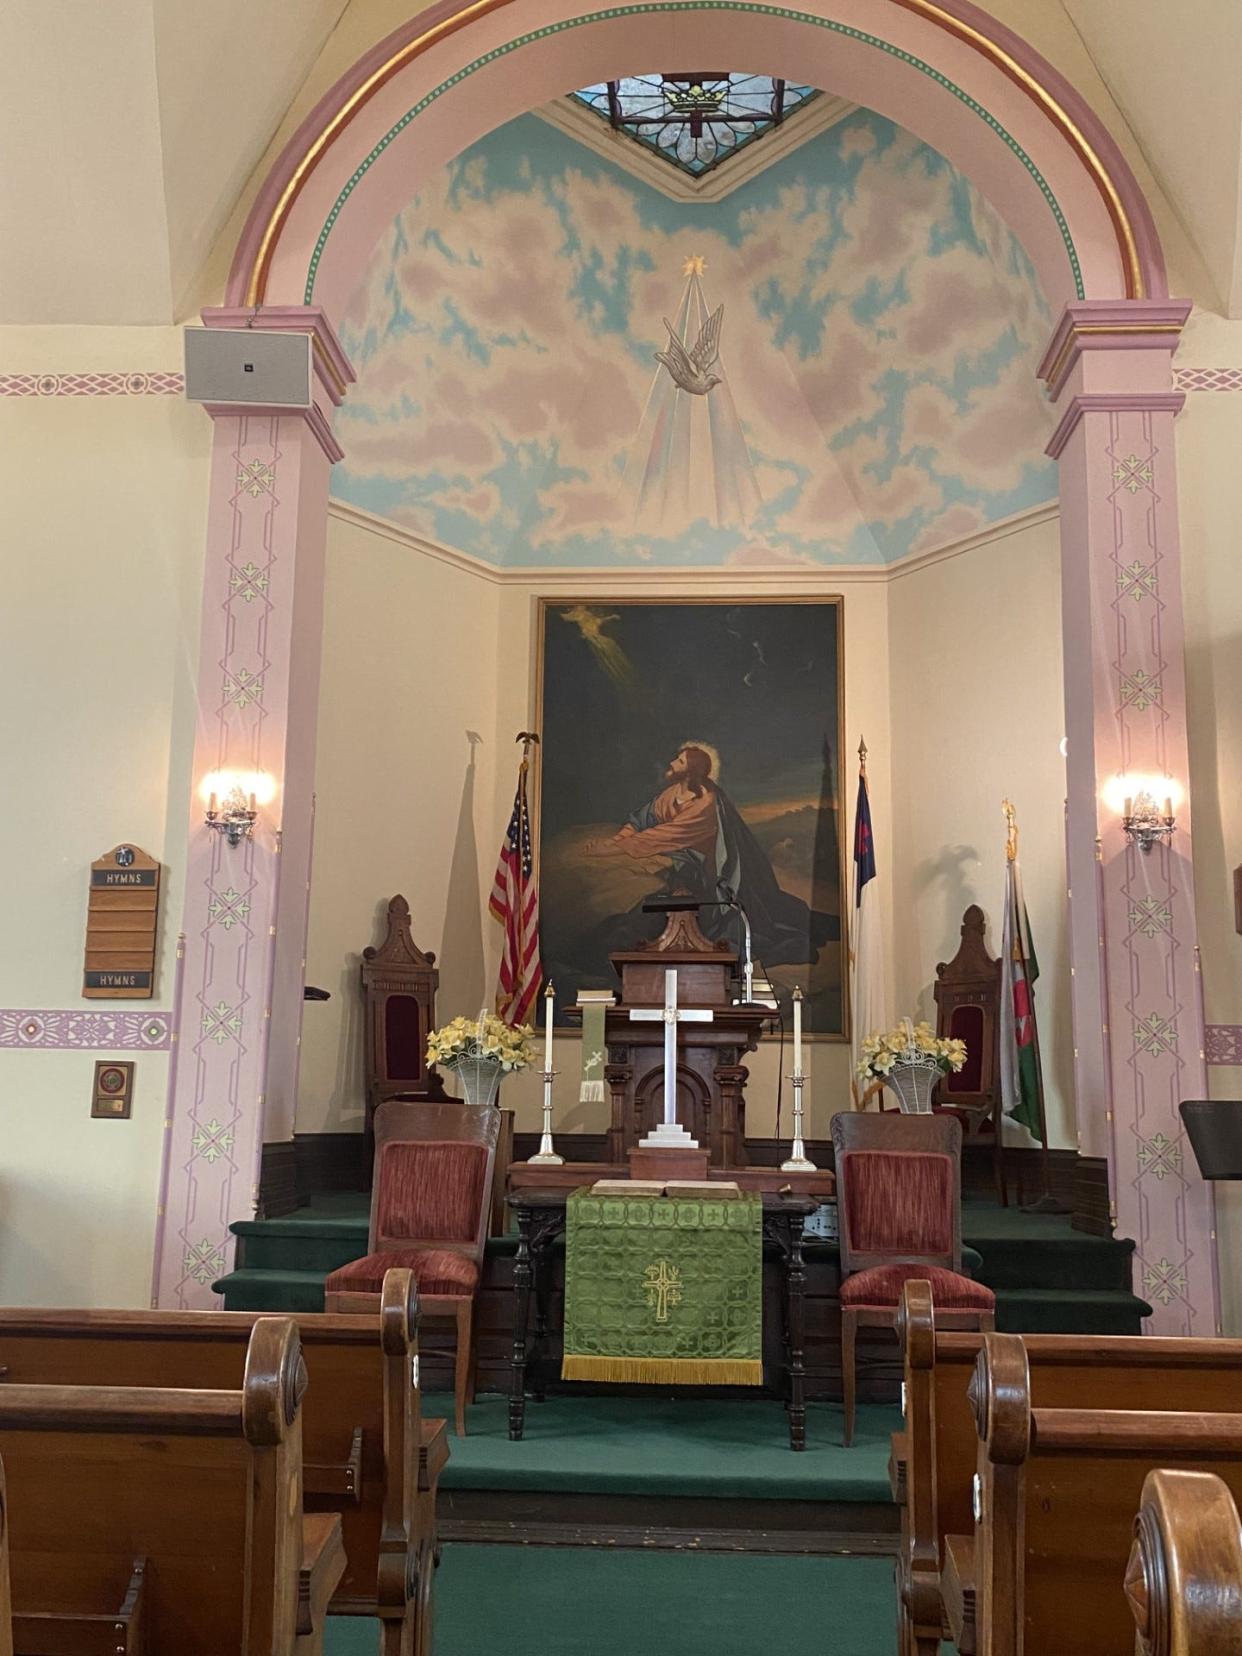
<point>1022,1084</point>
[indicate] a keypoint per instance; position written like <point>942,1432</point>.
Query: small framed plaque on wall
<point>122,922</point>
<point>112,1096</point>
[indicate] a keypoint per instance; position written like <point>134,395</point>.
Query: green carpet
<point>662,1445</point>
<point>583,1601</point>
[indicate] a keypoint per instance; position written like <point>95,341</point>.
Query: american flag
<point>515,903</point>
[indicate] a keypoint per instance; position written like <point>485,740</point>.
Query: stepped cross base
<point>668,1152</point>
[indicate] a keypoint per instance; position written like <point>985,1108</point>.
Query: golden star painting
<point>693,747</point>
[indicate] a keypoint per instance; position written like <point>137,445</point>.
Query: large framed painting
<point>694,746</point>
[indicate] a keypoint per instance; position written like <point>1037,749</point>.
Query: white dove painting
<point>690,462</point>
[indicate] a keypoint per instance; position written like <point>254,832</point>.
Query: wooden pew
<point>6,1598</point>
<point>932,1463</point>
<point>199,1490</point>
<point>1184,1579</point>
<point>369,1455</point>
<point>1054,1502</point>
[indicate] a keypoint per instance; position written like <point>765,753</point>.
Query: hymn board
<point>122,919</point>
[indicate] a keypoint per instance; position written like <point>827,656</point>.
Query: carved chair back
<point>899,1189</point>
<point>399,983</point>
<point>967,994</point>
<point>432,1186</point>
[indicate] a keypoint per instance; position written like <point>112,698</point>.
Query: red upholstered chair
<point>430,1205</point>
<point>899,1207</point>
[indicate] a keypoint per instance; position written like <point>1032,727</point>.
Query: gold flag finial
<point>695,265</point>
<point>862,755</point>
<point>1011,824</point>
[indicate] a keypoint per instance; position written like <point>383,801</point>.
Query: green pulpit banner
<point>664,1290</point>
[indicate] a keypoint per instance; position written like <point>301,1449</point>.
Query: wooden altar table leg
<point>521,1310</point>
<point>541,1287</point>
<point>796,1270</point>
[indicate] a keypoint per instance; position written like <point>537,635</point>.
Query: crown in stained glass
<point>695,121</point>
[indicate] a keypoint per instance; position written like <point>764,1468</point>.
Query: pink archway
<point>954,76</point>
<point>1007,120</point>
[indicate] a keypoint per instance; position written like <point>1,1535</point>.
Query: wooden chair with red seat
<point>430,1206</point>
<point>899,1207</point>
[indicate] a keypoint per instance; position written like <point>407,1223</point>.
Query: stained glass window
<point>695,121</point>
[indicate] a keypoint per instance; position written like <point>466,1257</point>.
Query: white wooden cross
<point>670,1015</point>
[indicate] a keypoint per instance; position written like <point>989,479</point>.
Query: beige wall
<point>975,680</point>
<point>1210,483</point>
<point>404,796</point>
<point>102,545</point>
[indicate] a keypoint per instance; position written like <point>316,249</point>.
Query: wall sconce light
<point>233,799</point>
<point>1141,817</point>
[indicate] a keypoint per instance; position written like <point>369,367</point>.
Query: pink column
<point>1137,1006</point>
<point>235,1066</point>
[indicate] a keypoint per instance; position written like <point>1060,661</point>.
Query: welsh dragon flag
<point>1021,1082</point>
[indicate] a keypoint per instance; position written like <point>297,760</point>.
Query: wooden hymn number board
<point>121,920</point>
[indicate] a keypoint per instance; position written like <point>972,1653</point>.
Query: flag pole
<point>1047,1202</point>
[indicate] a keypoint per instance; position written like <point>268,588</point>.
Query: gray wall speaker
<point>245,365</point>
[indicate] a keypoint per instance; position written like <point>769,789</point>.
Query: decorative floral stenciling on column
<point>1135,954</point>
<point>268,508</point>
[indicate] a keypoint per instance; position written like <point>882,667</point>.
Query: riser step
<point>1102,1266</point>
<point>271,1252</point>
<point>1063,1311</point>
<point>251,1290</point>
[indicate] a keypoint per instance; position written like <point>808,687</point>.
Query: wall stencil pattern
<point>876,360</point>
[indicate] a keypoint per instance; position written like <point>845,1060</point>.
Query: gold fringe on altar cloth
<point>665,1371</point>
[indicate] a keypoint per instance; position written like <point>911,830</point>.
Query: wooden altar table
<point>540,1217</point>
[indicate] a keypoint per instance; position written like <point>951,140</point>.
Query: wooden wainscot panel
<point>122,923</point>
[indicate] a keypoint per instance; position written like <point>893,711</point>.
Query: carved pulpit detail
<point>710,1076</point>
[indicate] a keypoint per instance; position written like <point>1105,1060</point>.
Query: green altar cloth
<point>662,1289</point>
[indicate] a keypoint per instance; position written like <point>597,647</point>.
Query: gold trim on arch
<point>256,288</point>
<point>1128,245</point>
<point>1136,288</point>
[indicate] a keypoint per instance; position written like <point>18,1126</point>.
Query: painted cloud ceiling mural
<point>847,346</point>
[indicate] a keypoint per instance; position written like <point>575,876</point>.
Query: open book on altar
<point>721,1188</point>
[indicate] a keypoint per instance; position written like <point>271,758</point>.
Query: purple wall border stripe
<point>135,384</point>
<point>1222,1044</point>
<point>24,1027</point>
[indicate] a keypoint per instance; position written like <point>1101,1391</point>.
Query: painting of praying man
<point>693,748</point>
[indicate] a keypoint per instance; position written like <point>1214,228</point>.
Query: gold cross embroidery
<point>662,1284</point>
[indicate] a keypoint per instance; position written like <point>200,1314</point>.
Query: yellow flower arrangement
<point>510,1046</point>
<point>911,1044</point>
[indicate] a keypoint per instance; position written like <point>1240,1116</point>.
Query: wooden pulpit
<point>711,1077</point>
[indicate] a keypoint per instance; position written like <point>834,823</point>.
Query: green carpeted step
<point>671,1445</point>
<point>248,1289</point>
<point>588,1601</point>
<point>1069,1311</point>
<point>265,1245</point>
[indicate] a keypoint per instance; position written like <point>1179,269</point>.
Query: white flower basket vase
<point>913,1084</point>
<point>480,1079</point>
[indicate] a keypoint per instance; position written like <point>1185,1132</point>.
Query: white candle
<point>797,1005</point>
<point>548,1004</point>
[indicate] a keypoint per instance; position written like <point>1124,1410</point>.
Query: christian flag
<point>1021,1081</point>
<point>515,903</point>
<point>867,999</point>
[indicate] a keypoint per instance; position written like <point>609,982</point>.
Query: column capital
<point>1110,325</point>
<point>1110,402</point>
<point>333,371</point>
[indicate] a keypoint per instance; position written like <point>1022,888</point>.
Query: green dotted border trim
<point>649,7</point>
